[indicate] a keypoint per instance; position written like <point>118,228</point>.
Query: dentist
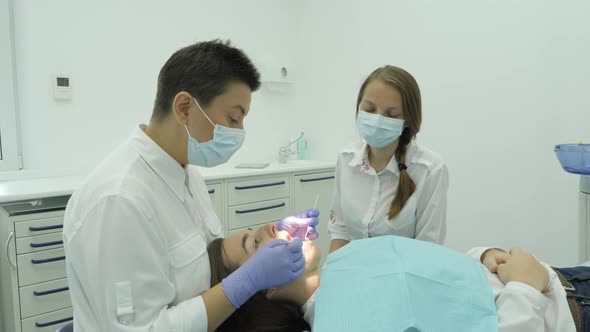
<point>136,232</point>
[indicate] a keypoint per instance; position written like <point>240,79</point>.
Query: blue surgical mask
<point>379,131</point>
<point>226,141</point>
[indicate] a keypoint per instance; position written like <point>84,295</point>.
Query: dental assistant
<point>387,184</point>
<point>136,232</point>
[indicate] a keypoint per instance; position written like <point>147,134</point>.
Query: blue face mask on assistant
<point>379,131</point>
<point>226,141</point>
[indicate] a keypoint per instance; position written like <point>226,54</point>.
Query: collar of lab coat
<point>360,153</point>
<point>168,169</point>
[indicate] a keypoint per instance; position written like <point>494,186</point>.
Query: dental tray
<point>574,158</point>
<point>252,165</point>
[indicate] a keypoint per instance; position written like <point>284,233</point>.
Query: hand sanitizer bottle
<point>302,148</point>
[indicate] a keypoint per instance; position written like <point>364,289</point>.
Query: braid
<point>406,185</point>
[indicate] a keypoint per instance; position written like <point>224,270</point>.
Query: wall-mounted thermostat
<point>62,87</point>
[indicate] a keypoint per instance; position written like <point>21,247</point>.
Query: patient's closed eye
<point>256,241</point>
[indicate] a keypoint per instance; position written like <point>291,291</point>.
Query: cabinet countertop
<point>34,187</point>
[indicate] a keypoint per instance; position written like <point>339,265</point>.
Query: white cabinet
<point>257,189</point>
<point>253,201</point>
<point>44,297</point>
<point>257,200</point>
<point>34,289</point>
<point>216,194</point>
<point>48,322</point>
<point>308,186</point>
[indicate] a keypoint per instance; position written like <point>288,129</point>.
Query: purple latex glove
<point>277,263</point>
<point>301,225</point>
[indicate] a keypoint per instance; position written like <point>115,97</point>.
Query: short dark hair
<point>204,70</point>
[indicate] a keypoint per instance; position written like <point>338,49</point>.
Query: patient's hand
<point>525,268</point>
<point>491,258</point>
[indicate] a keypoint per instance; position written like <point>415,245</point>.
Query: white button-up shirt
<point>135,237</point>
<point>362,198</point>
<point>523,308</point>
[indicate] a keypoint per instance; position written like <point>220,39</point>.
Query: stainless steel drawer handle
<point>48,260</point>
<point>260,209</point>
<point>46,244</point>
<point>51,291</point>
<point>317,179</point>
<point>260,185</point>
<point>55,322</point>
<point>45,228</point>
<point>10,237</point>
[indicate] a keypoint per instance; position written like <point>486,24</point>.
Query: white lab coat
<point>521,308</point>
<point>135,237</point>
<point>362,198</point>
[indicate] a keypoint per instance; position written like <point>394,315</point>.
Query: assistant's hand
<point>277,263</point>
<point>491,258</point>
<point>301,225</point>
<point>525,268</point>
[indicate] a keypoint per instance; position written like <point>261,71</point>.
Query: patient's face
<point>239,247</point>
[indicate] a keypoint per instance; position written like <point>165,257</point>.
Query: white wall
<point>114,51</point>
<point>8,121</point>
<point>502,83</point>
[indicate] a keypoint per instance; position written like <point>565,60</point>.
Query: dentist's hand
<point>277,263</point>
<point>301,225</point>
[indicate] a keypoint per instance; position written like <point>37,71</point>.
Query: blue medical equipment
<point>574,158</point>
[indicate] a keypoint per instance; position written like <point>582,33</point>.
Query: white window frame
<point>10,151</point>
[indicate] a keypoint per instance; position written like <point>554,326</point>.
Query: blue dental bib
<point>398,284</point>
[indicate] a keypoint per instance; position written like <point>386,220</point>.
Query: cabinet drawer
<point>46,297</point>
<point>257,213</point>
<point>41,266</point>
<point>38,227</point>
<point>242,192</point>
<point>315,178</point>
<point>38,243</point>
<point>49,322</point>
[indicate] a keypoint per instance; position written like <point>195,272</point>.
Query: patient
<point>529,295</point>
<point>277,309</point>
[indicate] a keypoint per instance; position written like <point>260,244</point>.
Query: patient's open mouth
<point>283,235</point>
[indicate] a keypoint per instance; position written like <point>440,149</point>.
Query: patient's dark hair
<point>258,314</point>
